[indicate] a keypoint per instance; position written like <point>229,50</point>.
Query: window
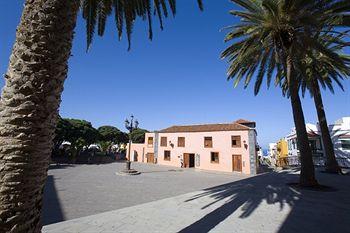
<point>315,144</point>
<point>150,141</point>
<point>163,141</point>
<point>208,142</point>
<point>312,144</point>
<point>214,157</point>
<point>167,155</point>
<point>345,144</point>
<point>181,141</point>
<point>236,141</point>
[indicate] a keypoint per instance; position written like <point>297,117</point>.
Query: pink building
<point>218,147</point>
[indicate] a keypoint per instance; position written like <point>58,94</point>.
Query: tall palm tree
<point>270,40</point>
<point>32,93</point>
<point>325,69</point>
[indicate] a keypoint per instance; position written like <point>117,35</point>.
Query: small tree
<point>63,129</point>
<point>138,135</point>
<point>105,146</point>
<point>76,147</point>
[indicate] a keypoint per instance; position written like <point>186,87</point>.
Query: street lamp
<point>131,126</point>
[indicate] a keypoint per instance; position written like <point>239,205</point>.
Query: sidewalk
<point>258,204</point>
<point>167,215</point>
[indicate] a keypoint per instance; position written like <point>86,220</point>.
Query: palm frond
<point>306,30</point>
<point>96,12</point>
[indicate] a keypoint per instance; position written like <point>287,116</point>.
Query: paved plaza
<point>74,191</point>
<point>221,202</point>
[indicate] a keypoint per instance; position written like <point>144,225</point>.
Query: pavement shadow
<point>311,211</point>
<point>59,166</point>
<point>316,211</point>
<point>52,211</point>
<point>246,194</point>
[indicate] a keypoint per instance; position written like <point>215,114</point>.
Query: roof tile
<point>205,128</point>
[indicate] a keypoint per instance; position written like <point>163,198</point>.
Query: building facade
<point>272,154</point>
<point>340,134</point>
<point>218,147</point>
<point>282,153</point>
<point>278,153</point>
<point>315,144</point>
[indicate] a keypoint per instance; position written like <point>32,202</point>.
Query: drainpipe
<point>156,137</point>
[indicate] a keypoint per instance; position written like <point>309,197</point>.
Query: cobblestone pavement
<point>263,203</point>
<point>82,190</point>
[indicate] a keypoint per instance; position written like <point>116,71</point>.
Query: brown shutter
<point>163,141</point>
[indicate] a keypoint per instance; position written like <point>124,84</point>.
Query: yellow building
<point>282,153</point>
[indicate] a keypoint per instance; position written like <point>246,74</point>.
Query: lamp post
<point>131,126</point>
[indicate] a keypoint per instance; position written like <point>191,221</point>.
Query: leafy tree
<point>63,129</point>
<point>138,135</point>
<point>79,133</point>
<point>77,146</point>
<point>84,130</point>
<point>105,145</point>
<point>32,93</point>
<point>112,134</point>
<point>271,39</point>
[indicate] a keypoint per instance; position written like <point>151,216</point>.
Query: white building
<point>340,133</point>
<point>314,139</point>
<point>272,156</point>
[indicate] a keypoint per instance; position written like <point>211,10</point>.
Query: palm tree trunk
<point>307,173</point>
<point>331,164</point>
<point>29,106</point>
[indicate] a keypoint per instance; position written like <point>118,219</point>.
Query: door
<point>237,163</point>
<point>188,160</point>
<point>150,158</point>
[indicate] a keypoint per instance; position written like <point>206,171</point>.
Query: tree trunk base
<point>309,183</point>
<point>333,170</point>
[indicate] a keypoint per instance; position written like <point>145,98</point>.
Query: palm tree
<point>323,68</point>
<point>32,93</point>
<point>270,40</point>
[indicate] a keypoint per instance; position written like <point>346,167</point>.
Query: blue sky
<point>178,78</point>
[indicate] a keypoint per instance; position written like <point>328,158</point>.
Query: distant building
<point>340,134</point>
<point>315,144</point>
<point>219,147</point>
<point>278,153</point>
<point>272,155</point>
<point>260,154</point>
<point>282,153</point>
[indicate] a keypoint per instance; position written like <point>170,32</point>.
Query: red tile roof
<point>205,128</point>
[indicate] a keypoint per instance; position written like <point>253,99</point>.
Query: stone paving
<point>263,203</point>
<point>82,190</point>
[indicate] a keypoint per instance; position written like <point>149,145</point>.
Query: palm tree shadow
<point>52,210</point>
<point>247,195</point>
